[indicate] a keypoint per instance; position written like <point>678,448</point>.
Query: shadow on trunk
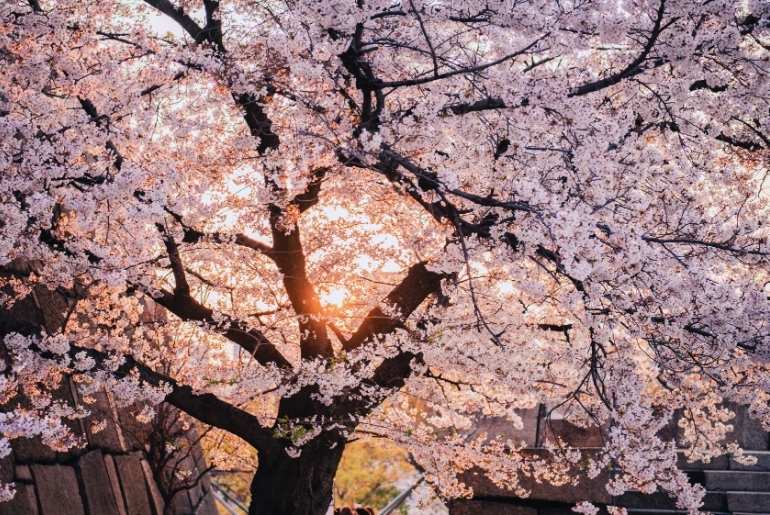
<point>301,486</point>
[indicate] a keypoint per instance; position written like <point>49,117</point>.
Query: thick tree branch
<point>725,246</point>
<point>461,71</point>
<point>181,286</point>
<point>309,197</point>
<point>259,123</point>
<point>418,284</point>
<point>206,407</point>
<point>183,305</point>
<point>428,180</point>
<point>287,252</point>
<point>251,340</point>
<point>290,259</point>
<point>193,235</point>
<point>635,66</point>
<point>372,98</point>
<point>178,15</point>
<point>485,104</point>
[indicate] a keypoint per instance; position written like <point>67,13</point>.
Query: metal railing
<point>400,498</point>
<point>227,500</point>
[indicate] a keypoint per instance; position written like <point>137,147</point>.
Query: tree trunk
<point>296,486</point>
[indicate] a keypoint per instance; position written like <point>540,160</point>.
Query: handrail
<point>232,505</point>
<point>400,498</point>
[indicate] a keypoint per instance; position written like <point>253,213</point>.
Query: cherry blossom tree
<point>391,217</point>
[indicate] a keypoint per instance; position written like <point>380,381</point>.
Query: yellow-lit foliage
<point>368,473</point>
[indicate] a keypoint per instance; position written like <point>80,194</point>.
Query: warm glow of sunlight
<point>334,297</point>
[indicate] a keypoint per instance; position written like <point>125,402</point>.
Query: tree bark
<point>296,486</point>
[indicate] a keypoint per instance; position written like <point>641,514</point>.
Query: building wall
<point>107,476</point>
<point>110,473</point>
<point>731,488</point>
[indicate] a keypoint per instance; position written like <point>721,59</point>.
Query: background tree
<point>369,474</point>
<point>348,206</point>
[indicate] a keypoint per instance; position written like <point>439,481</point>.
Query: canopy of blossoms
<point>393,217</point>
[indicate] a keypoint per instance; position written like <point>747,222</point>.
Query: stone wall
<point>111,473</point>
<point>731,488</point>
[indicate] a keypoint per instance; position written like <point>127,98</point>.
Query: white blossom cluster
<point>400,216</point>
